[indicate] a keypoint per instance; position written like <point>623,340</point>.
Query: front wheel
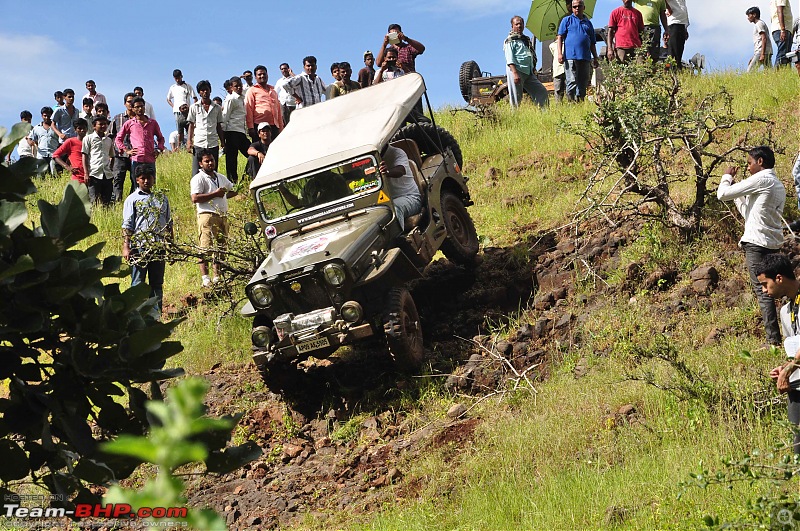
<point>403,330</point>
<point>461,245</point>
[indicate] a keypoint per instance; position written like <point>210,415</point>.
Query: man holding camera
<point>407,49</point>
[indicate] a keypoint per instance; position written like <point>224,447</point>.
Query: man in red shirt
<point>261,105</point>
<point>624,28</point>
<point>71,151</point>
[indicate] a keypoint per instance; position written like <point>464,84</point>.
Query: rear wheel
<point>427,137</point>
<point>461,245</point>
<point>469,71</point>
<point>403,330</point>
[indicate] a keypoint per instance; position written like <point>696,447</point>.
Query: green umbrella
<point>545,15</point>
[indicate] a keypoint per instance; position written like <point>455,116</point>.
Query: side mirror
<point>250,228</point>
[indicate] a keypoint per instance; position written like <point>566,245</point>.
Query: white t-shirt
<point>283,95</point>
<point>759,27</point>
<point>180,94</point>
<point>203,183</point>
<point>100,151</point>
<point>680,15</point>
<point>400,186</point>
<point>173,140</point>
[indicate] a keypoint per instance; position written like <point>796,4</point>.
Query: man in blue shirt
<point>576,47</point>
<point>64,116</point>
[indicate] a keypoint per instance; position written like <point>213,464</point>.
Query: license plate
<point>314,344</point>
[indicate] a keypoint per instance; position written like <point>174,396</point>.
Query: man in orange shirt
<point>261,105</point>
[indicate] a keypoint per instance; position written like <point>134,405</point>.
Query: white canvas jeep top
<point>337,130</point>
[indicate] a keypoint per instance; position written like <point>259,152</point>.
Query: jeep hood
<point>346,240</point>
<point>336,130</point>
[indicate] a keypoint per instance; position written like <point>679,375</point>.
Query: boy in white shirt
<point>762,54</point>
<point>210,192</point>
<point>98,156</point>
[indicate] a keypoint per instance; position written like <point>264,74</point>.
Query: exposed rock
<point>456,411</point>
<point>544,301</point>
<point>704,279</point>
<point>661,279</point>
<point>292,450</point>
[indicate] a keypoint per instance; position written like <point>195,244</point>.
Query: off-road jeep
<point>338,264</point>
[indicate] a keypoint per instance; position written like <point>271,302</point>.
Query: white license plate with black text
<point>308,346</point>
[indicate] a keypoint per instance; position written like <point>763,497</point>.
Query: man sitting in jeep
<point>319,189</point>
<point>400,182</point>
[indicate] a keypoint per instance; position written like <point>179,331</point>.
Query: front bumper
<point>302,335</point>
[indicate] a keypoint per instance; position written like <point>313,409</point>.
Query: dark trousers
<point>155,271</point>
<point>100,190</point>
<point>677,42</point>
<point>287,112</point>
<point>794,417</point>
<point>196,160</point>
<point>652,41</point>
<point>252,166</point>
<point>235,143</point>
<point>122,165</point>
<point>753,254</point>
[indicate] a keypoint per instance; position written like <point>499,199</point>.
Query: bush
<point>74,349</point>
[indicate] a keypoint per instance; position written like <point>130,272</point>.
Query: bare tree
<point>654,143</point>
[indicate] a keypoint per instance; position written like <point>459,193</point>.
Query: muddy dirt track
<point>317,460</point>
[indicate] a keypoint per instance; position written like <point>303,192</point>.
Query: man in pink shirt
<point>261,105</point>
<point>141,130</point>
<point>624,28</point>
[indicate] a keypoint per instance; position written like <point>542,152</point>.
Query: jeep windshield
<point>298,195</point>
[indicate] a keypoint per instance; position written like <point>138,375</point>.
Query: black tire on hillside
<point>469,71</point>
<point>427,138</point>
<point>403,330</point>
<point>461,245</point>
<point>281,378</point>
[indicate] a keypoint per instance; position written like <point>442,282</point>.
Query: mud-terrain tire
<point>461,245</point>
<point>281,378</point>
<point>425,135</point>
<point>469,71</point>
<point>403,330</point>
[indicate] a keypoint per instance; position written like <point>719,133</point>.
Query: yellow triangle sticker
<point>383,198</point>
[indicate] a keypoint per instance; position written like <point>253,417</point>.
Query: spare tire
<point>427,137</point>
<point>469,71</point>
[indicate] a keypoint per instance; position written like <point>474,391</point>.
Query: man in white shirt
<point>179,94</point>
<point>760,199</point>
<point>235,128</point>
<point>95,96</point>
<point>403,189</point>
<point>285,97</point>
<point>677,25</point>
<point>205,126</point>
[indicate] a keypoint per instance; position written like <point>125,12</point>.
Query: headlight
<point>261,336</point>
<point>334,274</point>
<point>261,295</point>
<point>352,312</point>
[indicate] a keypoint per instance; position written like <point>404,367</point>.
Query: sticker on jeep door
<point>305,248</point>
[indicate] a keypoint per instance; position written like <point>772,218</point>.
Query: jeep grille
<point>312,295</point>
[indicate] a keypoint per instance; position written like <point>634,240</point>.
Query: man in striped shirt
<point>307,87</point>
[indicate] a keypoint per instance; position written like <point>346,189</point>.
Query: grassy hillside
<point>564,457</point>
